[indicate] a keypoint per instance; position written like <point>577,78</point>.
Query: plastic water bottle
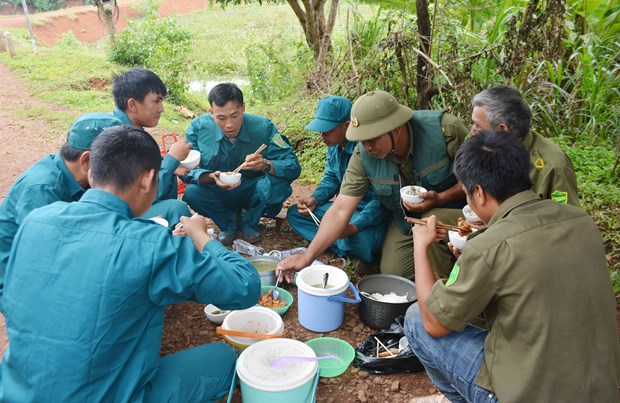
<point>247,248</point>
<point>294,251</point>
<point>212,233</point>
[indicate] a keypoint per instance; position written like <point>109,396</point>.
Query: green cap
<point>376,113</point>
<point>88,126</point>
<point>330,112</point>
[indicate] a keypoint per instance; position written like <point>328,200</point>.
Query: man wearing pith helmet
<point>398,147</point>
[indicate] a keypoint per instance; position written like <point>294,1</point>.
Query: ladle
<point>293,359</point>
<point>325,278</point>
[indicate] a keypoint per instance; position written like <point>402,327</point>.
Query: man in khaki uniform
<point>398,147</point>
<point>538,272</point>
<point>551,171</point>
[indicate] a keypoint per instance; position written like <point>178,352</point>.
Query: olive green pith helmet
<point>376,113</point>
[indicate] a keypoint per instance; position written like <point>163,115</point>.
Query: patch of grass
<point>222,35</point>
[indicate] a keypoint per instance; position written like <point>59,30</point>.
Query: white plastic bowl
<point>215,314</point>
<point>230,178</point>
<point>469,214</point>
<point>412,198</point>
<point>192,160</point>
<point>457,240</point>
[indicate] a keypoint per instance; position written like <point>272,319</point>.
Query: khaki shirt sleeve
<point>455,132</point>
<point>355,181</point>
<point>559,183</point>
<point>467,291</point>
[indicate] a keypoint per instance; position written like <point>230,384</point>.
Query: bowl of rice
<point>384,298</point>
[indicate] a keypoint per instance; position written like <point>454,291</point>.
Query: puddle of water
<point>204,86</point>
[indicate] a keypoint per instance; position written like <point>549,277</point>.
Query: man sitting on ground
<point>85,312</point>
<point>364,235</point>
<point>56,177</point>
<point>139,97</point>
<point>227,138</point>
<point>538,272</point>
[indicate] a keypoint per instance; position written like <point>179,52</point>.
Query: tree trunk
<point>311,16</point>
<point>106,10</point>
<point>423,81</point>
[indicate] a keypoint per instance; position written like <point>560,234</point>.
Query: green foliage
<point>276,69</point>
<point>615,280</point>
<point>159,45</point>
<point>69,41</point>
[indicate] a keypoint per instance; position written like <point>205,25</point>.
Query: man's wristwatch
<point>266,165</point>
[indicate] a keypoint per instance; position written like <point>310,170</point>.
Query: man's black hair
<point>70,153</point>
<point>503,104</point>
<point>121,154</point>
<point>222,93</point>
<point>499,164</point>
<point>136,83</point>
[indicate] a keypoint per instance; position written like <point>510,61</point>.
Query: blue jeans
<point>452,362</point>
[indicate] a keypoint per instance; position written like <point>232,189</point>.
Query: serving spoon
<point>274,291</point>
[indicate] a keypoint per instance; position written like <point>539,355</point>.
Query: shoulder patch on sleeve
<point>454,274</point>
<point>559,197</point>
<point>279,141</point>
<point>539,163</point>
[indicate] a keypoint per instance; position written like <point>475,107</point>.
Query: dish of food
<point>268,302</point>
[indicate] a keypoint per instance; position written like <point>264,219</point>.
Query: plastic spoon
<point>293,359</point>
<point>249,335</point>
<point>274,291</point>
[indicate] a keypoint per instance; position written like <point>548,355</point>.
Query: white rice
<point>391,297</point>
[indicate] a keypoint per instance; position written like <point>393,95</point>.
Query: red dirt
<point>84,22</point>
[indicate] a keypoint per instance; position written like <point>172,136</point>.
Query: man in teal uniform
<point>365,233</point>
<point>56,177</point>
<point>538,272</point>
<point>139,97</point>
<point>551,171</point>
<point>85,313</point>
<point>398,147</point>
<point>227,138</point>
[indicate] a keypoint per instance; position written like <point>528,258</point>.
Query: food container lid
<point>253,365</point>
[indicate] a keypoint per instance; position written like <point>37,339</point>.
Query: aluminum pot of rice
<point>384,298</point>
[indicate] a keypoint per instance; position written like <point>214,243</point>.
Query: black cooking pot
<point>378,314</point>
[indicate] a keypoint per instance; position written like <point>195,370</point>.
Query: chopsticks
<point>314,218</point>
<point>438,224</point>
<point>261,148</point>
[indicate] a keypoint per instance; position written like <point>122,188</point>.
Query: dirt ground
<point>85,24</point>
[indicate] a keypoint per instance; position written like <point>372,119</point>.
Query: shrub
<point>159,45</point>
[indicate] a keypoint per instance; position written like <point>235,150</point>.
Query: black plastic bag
<point>404,361</point>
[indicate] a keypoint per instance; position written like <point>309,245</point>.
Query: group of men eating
<point>85,275</point>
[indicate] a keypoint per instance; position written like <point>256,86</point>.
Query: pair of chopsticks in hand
<point>314,218</point>
<point>438,224</point>
<point>261,148</point>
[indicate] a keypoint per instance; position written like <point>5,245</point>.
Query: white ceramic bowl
<point>215,314</point>
<point>457,240</point>
<point>192,160</point>
<point>160,221</point>
<point>469,214</point>
<point>406,194</point>
<point>230,178</point>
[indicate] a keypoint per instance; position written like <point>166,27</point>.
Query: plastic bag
<point>404,361</point>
